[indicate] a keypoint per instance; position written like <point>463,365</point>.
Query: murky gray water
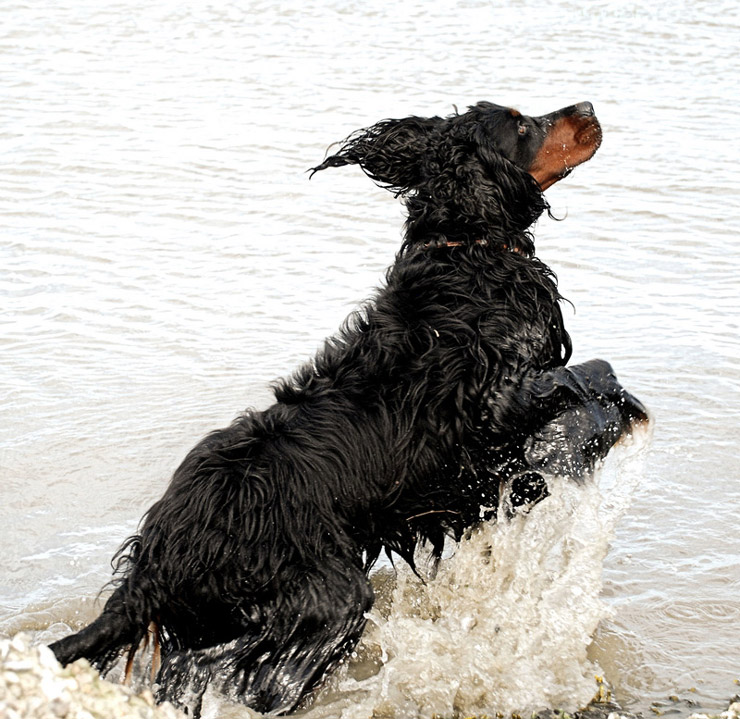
<point>165,257</point>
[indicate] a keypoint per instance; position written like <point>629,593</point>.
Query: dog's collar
<point>439,244</point>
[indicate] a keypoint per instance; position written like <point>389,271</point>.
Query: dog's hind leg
<point>319,621</point>
<point>313,623</point>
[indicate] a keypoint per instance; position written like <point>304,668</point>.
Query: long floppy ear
<point>390,152</point>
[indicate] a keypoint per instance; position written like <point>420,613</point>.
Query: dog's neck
<point>442,243</point>
<point>463,215</point>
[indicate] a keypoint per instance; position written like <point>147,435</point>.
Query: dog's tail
<point>124,622</point>
<point>103,641</point>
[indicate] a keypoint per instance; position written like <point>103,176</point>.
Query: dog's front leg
<point>581,411</point>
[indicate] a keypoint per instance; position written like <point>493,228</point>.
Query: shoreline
<point>33,685</point>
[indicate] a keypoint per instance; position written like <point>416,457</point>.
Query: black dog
<point>444,401</point>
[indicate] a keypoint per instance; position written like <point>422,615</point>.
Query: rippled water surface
<point>165,257</point>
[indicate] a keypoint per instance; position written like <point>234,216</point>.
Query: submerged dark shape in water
<point>445,401</point>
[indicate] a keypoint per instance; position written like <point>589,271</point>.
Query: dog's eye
<point>522,130</point>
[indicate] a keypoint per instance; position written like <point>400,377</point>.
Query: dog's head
<point>473,177</point>
<point>547,147</point>
<point>402,155</point>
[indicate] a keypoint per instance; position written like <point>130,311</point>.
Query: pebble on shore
<point>33,685</point>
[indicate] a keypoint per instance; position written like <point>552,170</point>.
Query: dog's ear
<point>390,152</point>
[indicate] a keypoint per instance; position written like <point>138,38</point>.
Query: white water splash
<point>505,624</point>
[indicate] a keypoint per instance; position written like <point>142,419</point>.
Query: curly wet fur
<point>450,170</point>
<point>444,390</point>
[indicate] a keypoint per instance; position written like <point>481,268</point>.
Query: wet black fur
<point>443,400</point>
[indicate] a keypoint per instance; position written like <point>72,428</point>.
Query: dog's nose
<point>585,109</point>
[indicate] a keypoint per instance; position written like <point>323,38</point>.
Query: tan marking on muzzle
<point>570,142</point>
